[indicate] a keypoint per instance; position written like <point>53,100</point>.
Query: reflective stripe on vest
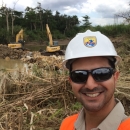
<point>68,123</point>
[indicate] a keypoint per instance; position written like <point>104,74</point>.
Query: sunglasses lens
<point>102,74</point>
<point>99,75</point>
<point>79,76</point>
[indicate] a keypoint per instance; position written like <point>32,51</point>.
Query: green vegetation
<point>34,20</point>
<point>113,30</point>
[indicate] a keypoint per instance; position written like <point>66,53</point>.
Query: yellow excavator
<point>53,48</point>
<point>19,44</point>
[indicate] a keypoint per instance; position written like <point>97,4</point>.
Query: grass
<point>113,30</point>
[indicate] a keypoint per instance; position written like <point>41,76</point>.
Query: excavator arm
<point>49,35</point>
<point>19,36</point>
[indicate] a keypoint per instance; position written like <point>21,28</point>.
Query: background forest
<point>33,21</point>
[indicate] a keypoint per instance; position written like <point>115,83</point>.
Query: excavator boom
<point>49,35</point>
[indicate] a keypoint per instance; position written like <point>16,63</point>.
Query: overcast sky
<point>101,12</point>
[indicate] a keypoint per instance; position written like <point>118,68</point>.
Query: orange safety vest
<point>68,123</point>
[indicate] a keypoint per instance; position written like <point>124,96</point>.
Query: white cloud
<point>69,9</point>
<point>97,10</point>
<point>19,4</point>
<point>105,21</point>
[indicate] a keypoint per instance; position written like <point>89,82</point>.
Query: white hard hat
<point>89,44</point>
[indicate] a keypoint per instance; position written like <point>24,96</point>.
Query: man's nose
<point>91,83</point>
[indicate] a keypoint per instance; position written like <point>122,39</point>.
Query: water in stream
<point>12,65</point>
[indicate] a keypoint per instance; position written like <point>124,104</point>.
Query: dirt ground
<point>64,42</point>
<point>60,42</point>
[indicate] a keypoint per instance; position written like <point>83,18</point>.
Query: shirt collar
<point>80,122</point>
<point>111,122</point>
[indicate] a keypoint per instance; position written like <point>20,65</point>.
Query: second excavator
<point>53,48</point>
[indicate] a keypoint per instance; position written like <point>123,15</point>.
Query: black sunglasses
<point>98,74</point>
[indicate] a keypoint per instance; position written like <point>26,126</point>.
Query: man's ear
<point>116,75</point>
<point>70,81</point>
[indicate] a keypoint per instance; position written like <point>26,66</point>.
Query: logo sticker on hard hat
<point>90,41</point>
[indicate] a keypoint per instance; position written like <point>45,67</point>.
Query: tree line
<point>33,22</point>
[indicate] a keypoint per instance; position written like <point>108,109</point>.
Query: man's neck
<point>93,119</point>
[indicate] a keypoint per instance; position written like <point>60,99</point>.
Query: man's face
<point>93,95</point>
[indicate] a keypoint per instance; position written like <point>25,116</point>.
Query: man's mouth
<point>92,95</point>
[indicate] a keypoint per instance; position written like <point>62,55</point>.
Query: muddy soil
<point>6,52</point>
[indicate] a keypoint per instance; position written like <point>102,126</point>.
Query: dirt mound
<point>5,51</point>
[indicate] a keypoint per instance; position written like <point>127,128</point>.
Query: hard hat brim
<point>67,63</point>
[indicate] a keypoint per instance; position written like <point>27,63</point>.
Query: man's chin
<point>93,107</point>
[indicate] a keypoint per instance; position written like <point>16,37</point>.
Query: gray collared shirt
<point>111,122</point>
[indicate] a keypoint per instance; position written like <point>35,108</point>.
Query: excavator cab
<point>55,43</point>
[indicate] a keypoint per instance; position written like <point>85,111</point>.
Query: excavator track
<point>57,53</point>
